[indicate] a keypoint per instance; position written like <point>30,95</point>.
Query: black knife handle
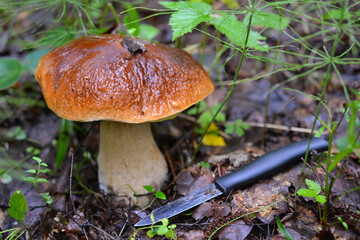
<point>269,164</point>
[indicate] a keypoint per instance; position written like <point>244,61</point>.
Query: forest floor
<point>81,211</point>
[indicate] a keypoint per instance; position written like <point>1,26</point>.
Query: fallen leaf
<point>238,230</point>
<point>183,183</point>
<point>204,210</point>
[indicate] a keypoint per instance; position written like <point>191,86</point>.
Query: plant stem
<point>232,85</point>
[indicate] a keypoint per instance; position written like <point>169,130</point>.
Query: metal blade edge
<point>180,205</point>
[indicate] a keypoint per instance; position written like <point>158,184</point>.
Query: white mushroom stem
<point>129,157</point>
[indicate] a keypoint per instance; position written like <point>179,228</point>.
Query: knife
<point>258,169</point>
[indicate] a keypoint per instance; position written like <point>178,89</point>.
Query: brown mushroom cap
<point>89,79</point>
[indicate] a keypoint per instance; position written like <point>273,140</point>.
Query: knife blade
<point>269,164</point>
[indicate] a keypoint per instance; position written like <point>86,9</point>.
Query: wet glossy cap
<point>96,78</point>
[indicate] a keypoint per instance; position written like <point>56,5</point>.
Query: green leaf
<point>149,188</point>
<point>321,199</point>
<point>337,14</point>
<point>43,164</point>
<point>282,229</point>
<point>220,117</point>
<point>170,234</point>
<point>150,234</point>
<point>165,221</point>
<point>229,128</point>
<point>306,192</point>
<point>320,131</point>
<point>152,217</point>
<point>313,186</point>
<point>66,127</point>
<point>31,171</point>
<point>10,71</point>
<point>161,230</point>
<point>160,194</point>
<point>205,164</point>
<point>269,20</point>
<point>343,223</point>
<point>198,108</point>
<point>131,20</point>
<point>29,179</point>
<point>37,159</point>
<point>42,180</point>
<point>46,198</point>
<point>17,133</point>
<point>148,32</point>
<point>32,59</point>
<point>239,131</point>
<point>18,206</point>
<point>236,31</point>
<point>187,16</point>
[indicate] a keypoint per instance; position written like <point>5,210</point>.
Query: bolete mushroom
<point>97,78</point>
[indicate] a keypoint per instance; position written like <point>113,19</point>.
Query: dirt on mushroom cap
<point>91,79</point>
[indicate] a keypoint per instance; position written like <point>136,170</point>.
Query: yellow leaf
<point>213,128</point>
<point>214,140</point>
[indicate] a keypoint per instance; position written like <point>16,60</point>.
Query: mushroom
<point>96,78</point>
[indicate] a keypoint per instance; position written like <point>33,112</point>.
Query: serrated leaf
<point>187,16</point>
<point>10,71</point>
<point>321,199</point>
<point>43,164</point>
<point>313,186</point>
<point>270,20</point>
<point>239,131</point>
<point>220,117</point>
<point>149,188</point>
<point>160,194</point>
<point>31,171</point>
<point>46,198</point>
<point>229,128</point>
<point>236,31</point>
<point>18,206</point>
<point>306,192</point>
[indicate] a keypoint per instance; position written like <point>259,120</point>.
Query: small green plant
<point>35,179</point>
<point>42,168</point>
<point>157,194</point>
<point>313,191</point>
<point>205,164</point>
<point>239,128</point>
<point>282,229</point>
<point>343,223</point>
<point>162,229</point>
<point>17,133</point>
<point>18,207</point>
<point>206,114</point>
<point>66,128</point>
